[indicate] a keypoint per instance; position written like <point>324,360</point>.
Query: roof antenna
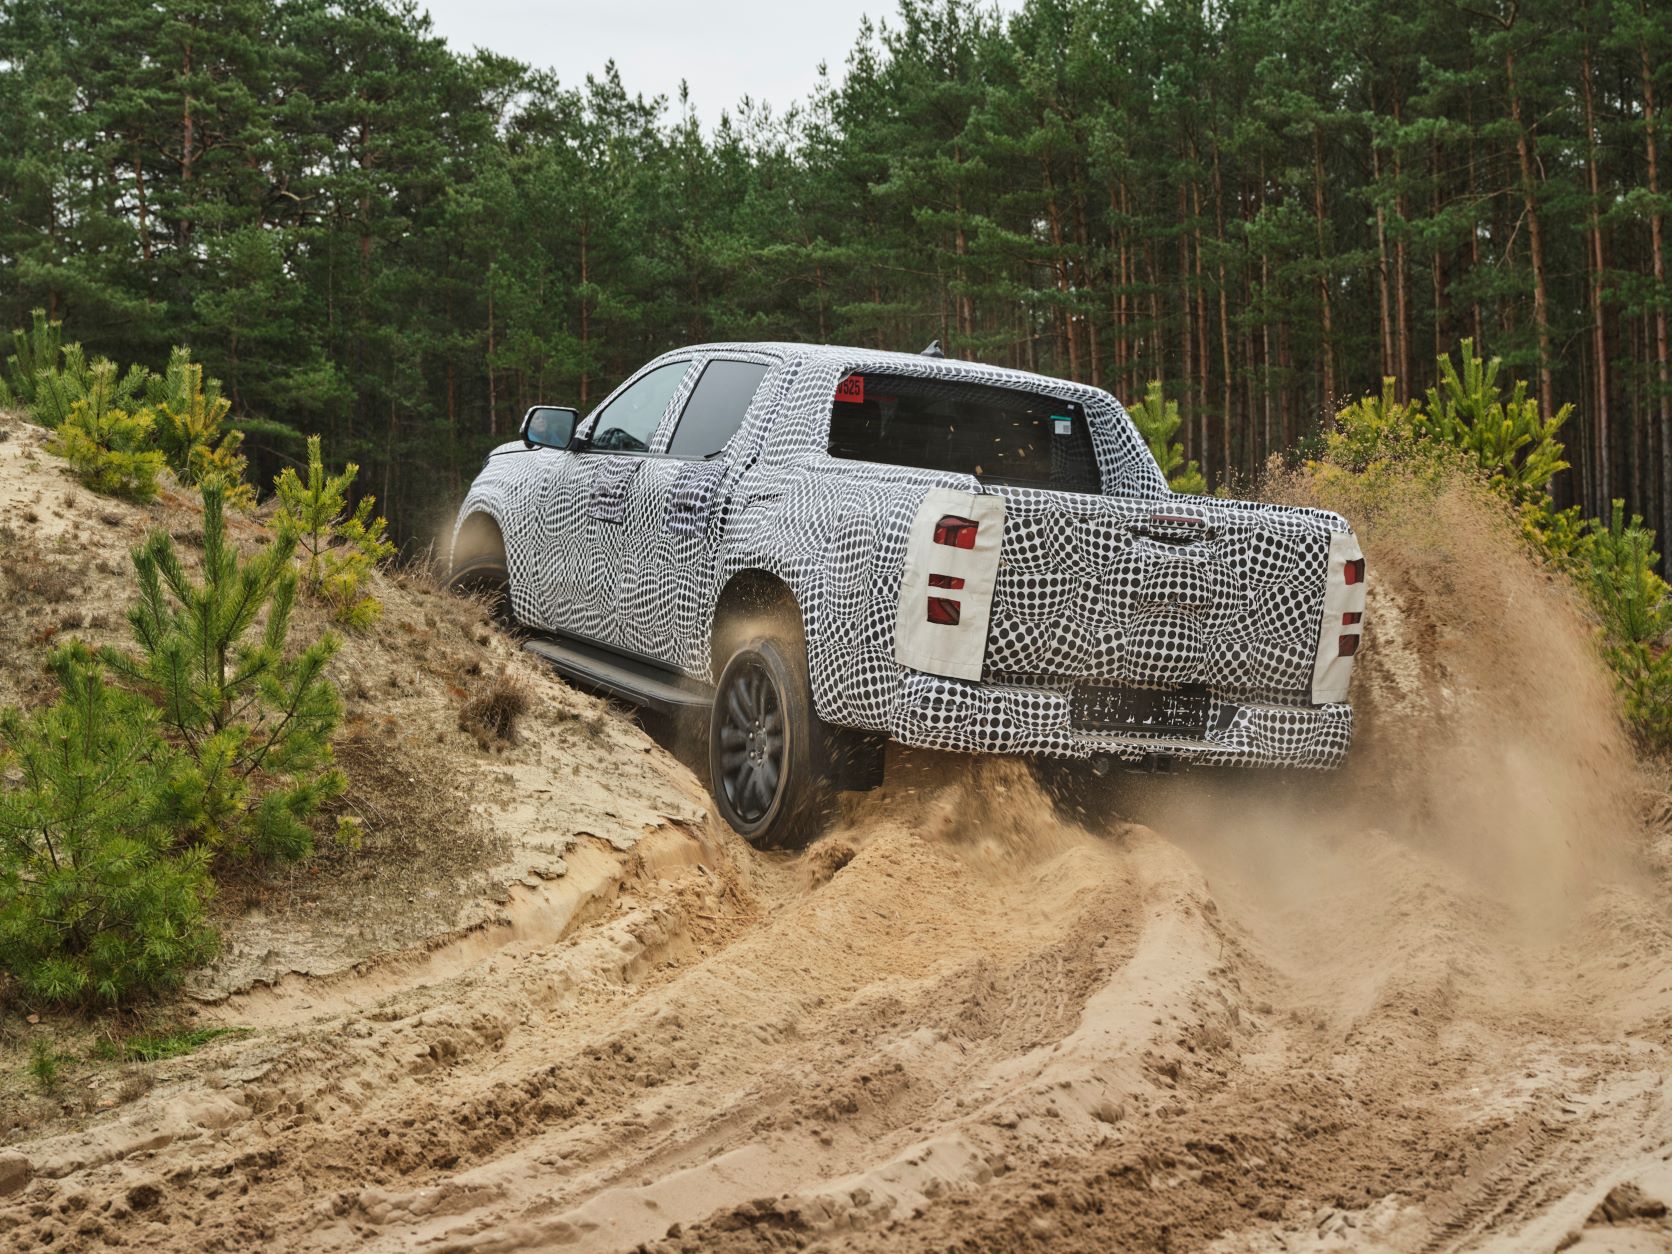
<point>934,350</point>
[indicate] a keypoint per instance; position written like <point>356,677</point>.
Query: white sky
<point>767,49</point>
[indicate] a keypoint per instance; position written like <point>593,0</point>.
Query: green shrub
<point>58,391</point>
<point>1157,421</point>
<point>44,1067</point>
<point>191,428</point>
<point>1507,437</point>
<point>252,720</point>
<point>109,447</point>
<point>1468,421</point>
<point>95,901</point>
<point>1374,430</point>
<point>34,348</point>
<point>1636,609</point>
<point>339,548</point>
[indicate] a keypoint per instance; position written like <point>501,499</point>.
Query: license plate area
<point>1174,712</point>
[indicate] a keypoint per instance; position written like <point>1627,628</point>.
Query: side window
<point>716,407</point>
<point>626,424</point>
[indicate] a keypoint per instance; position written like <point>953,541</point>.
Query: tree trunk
<point>144,213</point>
<point>586,320</point>
<point>1186,338</point>
<point>1066,347</point>
<point>1535,237</point>
<point>1326,310</point>
<point>1265,331</point>
<point>1382,269</point>
<point>1474,235</point>
<point>186,155</point>
<point>1441,304</point>
<point>1657,261</point>
<point>1224,324</point>
<point>1401,268</point>
<point>1203,369</point>
<point>1599,485</point>
<point>1083,242</point>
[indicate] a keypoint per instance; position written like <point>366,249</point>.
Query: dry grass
<point>30,574</point>
<point>491,714</point>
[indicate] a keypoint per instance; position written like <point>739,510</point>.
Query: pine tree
<point>110,447</point>
<point>1636,609</point>
<point>34,349</point>
<point>95,900</point>
<point>252,719</point>
<point>1157,420</point>
<point>191,428</point>
<point>60,387</point>
<point>1507,436</point>
<point>338,547</point>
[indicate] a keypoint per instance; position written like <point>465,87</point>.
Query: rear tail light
<point>946,581</point>
<point>1349,645</point>
<point>945,611</point>
<point>1353,571</point>
<point>957,533</point>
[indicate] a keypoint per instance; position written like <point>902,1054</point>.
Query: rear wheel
<point>766,746</point>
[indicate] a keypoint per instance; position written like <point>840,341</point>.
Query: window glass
<point>626,424</point>
<point>999,435</point>
<point>716,407</point>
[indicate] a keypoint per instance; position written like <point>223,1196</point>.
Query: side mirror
<point>549,426</point>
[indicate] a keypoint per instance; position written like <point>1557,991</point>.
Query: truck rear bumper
<point>938,713</point>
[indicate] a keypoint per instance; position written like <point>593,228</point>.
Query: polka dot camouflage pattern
<point>1211,607</point>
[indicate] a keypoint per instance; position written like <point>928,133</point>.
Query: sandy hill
<point>1423,1004</point>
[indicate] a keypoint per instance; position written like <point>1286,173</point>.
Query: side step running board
<point>639,683</point>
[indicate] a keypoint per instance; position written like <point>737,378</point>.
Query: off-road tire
<point>767,749</point>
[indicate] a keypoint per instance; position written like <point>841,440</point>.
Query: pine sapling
<point>109,447</point>
<point>1636,608</point>
<point>338,547</point>
<point>57,391</point>
<point>96,903</point>
<point>1157,419</point>
<point>191,428</point>
<point>252,719</point>
<point>1518,447</point>
<point>34,349</point>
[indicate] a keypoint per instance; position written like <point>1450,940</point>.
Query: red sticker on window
<point>851,389</point>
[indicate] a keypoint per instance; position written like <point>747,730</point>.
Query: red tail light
<point>1349,645</point>
<point>946,581</point>
<point>1353,571</point>
<point>945,611</point>
<point>956,532</point>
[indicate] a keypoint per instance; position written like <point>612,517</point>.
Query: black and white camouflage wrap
<point>1138,586</point>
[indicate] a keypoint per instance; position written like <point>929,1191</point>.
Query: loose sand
<point>1422,1004</point>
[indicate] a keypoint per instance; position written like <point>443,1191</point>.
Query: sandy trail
<point>1422,1005</point>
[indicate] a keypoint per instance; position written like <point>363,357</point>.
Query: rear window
<point>999,435</point>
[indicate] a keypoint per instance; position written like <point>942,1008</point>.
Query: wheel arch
<point>754,596</point>
<point>750,596</point>
<point>478,538</point>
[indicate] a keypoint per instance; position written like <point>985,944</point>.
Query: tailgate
<point>1174,591</point>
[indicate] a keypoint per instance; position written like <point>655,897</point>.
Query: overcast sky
<point>725,49</point>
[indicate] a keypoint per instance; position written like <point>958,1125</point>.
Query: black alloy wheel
<point>752,741</point>
<point>766,746</point>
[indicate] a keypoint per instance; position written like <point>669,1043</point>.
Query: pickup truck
<point>818,549</point>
